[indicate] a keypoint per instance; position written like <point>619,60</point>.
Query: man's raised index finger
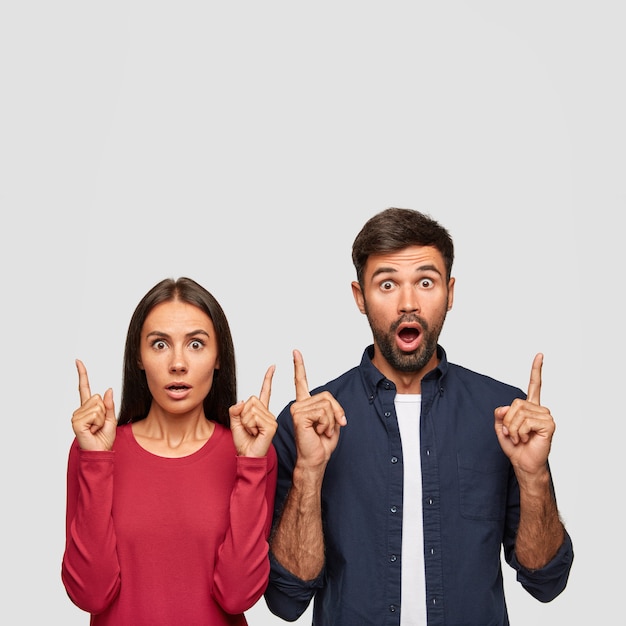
<point>83,382</point>
<point>299,377</point>
<point>534,386</point>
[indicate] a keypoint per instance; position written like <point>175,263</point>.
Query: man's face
<point>406,297</point>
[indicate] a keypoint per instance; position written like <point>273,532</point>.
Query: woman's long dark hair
<point>136,396</point>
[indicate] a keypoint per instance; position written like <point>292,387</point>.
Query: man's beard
<point>407,361</point>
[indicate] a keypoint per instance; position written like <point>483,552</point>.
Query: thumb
<point>235,410</point>
<point>500,412</point>
<point>109,405</point>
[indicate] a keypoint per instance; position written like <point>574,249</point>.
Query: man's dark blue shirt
<point>470,501</point>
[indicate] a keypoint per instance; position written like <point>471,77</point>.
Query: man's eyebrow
<point>428,268</point>
<point>384,270</point>
<point>392,270</point>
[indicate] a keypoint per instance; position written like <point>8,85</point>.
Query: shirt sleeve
<point>242,565</point>
<point>547,583</point>
<point>288,596</point>
<point>90,569</point>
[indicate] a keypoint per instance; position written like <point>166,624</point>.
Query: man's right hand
<point>317,420</point>
<point>298,542</point>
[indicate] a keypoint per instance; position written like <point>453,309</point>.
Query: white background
<point>244,144</point>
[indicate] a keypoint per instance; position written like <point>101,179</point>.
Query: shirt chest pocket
<point>482,489</point>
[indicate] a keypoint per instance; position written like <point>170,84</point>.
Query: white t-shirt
<point>413,604</point>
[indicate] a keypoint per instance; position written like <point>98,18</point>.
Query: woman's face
<point>179,354</point>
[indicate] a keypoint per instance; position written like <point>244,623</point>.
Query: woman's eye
<point>159,344</point>
<point>196,344</point>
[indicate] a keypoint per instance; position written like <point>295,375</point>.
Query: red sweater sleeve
<point>242,565</point>
<point>90,570</point>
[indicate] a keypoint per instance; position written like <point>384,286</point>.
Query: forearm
<point>540,532</point>
<point>242,564</point>
<point>298,540</point>
<point>90,567</point>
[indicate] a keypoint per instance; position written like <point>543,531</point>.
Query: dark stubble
<point>407,361</point>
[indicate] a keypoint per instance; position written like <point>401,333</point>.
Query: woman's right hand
<point>94,422</point>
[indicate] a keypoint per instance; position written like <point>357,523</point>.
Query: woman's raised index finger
<point>299,377</point>
<point>83,382</point>
<point>266,387</point>
<point>534,386</point>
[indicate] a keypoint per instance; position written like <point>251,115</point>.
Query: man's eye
<point>386,286</point>
<point>426,282</point>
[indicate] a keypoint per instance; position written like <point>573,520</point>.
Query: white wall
<point>244,145</point>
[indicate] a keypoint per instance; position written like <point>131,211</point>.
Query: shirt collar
<point>373,377</point>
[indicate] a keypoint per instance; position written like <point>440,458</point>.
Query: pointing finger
<point>302,386</point>
<point>83,382</point>
<point>534,386</point>
<point>266,388</point>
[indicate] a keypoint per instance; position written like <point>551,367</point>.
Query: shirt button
<point>387,413</point>
<point>430,501</point>
<point>394,509</point>
<point>392,608</point>
<point>393,558</point>
<point>394,459</point>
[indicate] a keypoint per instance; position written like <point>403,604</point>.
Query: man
<point>401,481</point>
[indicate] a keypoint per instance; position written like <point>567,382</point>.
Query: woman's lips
<point>178,390</point>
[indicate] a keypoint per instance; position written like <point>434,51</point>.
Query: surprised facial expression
<point>406,297</point>
<point>179,354</point>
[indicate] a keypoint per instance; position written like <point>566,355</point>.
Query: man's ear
<point>357,293</point>
<point>450,293</point>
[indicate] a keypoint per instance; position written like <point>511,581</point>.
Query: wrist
<point>535,484</point>
<point>308,477</point>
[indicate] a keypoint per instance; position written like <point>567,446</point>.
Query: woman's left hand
<point>251,422</point>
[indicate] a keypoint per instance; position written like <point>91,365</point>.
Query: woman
<point>168,513</point>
